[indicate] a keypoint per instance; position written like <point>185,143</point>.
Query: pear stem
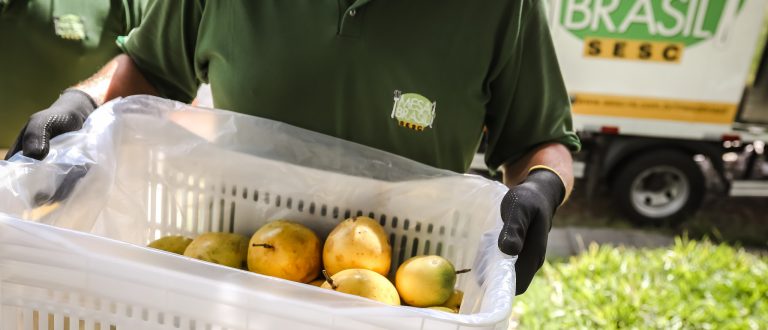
<point>329,279</point>
<point>463,271</point>
<point>265,245</point>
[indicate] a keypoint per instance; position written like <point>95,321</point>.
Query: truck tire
<point>659,188</point>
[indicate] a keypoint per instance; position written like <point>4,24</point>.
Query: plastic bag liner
<point>144,167</point>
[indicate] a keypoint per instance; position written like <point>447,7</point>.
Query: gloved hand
<point>527,210</point>
<point>67,114</point>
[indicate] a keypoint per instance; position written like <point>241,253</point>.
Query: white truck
<point>663,90</point>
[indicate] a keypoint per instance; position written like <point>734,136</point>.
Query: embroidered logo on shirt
<point>70,27</point>
<point>413,111</point>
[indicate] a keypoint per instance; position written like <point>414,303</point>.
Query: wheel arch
<point>622,150</point>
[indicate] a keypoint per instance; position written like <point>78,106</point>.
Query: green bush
<point>693,285</point>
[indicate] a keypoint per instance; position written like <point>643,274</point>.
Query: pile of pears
<point>354,259</point>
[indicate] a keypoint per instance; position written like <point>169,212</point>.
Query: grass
<point>692,285</point>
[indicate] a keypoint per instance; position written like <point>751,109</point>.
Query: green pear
<point>221,248</point>
<point>173,244</point>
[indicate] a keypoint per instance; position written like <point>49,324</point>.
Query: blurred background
<point>668,223</point>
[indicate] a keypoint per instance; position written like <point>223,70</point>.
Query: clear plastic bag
<point>144,167</point>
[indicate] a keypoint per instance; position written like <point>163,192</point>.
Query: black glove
<point>67,114</point>
<point>527,210</point>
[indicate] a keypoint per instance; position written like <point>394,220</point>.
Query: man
<point>422,79</point>
<point>48,45</point>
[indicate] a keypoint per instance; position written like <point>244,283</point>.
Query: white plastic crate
<point>146,187</point>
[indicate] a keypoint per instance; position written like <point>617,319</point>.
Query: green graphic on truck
<point>653,30</point>
<point>683,21</point>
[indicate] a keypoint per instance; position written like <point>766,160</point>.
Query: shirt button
<point>352,13</point>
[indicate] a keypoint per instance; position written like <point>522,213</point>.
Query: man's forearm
<point>118,78</point>
<point>553,155</point>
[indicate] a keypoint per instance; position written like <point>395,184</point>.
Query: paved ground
<point>735,220</point>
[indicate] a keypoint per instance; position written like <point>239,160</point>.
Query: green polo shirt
<point>421,79</point>
<point>49,45</point>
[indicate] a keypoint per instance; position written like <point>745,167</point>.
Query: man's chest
<point>409,77</point>
<point>274,52</point>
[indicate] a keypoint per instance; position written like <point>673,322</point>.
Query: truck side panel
<point>669,64</point>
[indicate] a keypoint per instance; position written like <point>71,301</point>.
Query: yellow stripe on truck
<point>638,50</point>
<point>652,108</point>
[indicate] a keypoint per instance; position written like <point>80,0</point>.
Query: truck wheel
<point>659,188</point>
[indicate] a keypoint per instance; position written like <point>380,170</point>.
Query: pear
<point>318,282</point>
<point>221,248</point>
<point>443,309</point>
<point>454,301</point>
<point>426,281</point>
<point>173,244</point>
<point>285,249</point>
<point>363,283</point>
<point>357,243</point>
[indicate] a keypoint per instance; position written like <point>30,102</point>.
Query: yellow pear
<point>286,250</point>
<point>221,248</point>
<point>454,302</point>
<point>425,281</point>
<point>357,243</point>
<point>443,309</point>
<point>173,244</point>
<point>364,283</point>
<point>318,282</point>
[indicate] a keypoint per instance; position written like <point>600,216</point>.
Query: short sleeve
<point>135,10</point>
<point>163,47</point>
<point>529,104</point>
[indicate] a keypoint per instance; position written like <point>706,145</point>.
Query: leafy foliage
<point>692,285</point>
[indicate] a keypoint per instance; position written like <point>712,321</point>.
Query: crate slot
<point>415,248</point>
<point>401,250</point>
<point>219,220</point>
<point>231,228</point>
<point>36,308</point>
